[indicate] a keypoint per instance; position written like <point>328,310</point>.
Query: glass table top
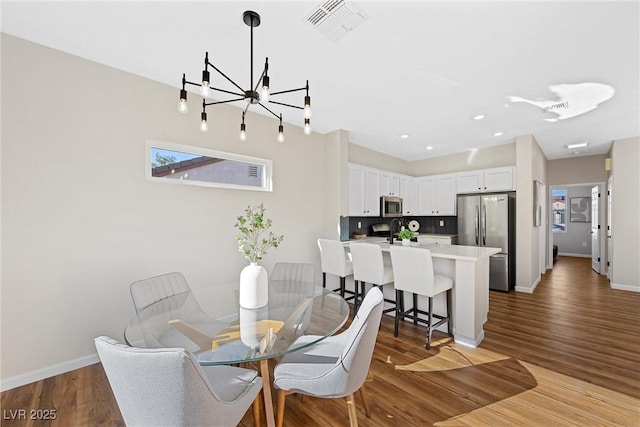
<point>210,323</point>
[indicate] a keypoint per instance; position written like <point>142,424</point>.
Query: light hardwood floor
<point>574,342</point>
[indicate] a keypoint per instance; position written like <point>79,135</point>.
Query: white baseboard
<point>575,255</point>
<point>47,372</point>
<point>632,288</point>
<point>528,289</point>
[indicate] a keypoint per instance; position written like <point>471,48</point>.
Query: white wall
<point>530,166</point>
<point>485,158</point>
<point>625,214</point>
<point>80,222</point>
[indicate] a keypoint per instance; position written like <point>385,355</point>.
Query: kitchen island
<point>468,266</point>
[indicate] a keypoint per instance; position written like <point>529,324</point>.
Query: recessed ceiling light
<point>429,148</point>
<point>479,117</point>
<point>581,145</point>
<point>499,133</point>
<point>405,136</point>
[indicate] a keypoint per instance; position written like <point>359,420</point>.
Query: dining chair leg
<point>430,323</point>
<point>282,396</point>
<point>449,316</point>
<point>399,294</point>
<point>415,309</point>
<point>353,414</point>
<point>365,400</point>
<point>257,410</point>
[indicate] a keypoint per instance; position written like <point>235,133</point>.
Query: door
<point>609,228</point>
<point>494,222</point>
<point>468,220</point>
<point>595,229</point>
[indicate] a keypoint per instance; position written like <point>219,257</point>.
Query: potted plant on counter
<point>253,243</point>
<point>358,235</point>
<point>406,235</point>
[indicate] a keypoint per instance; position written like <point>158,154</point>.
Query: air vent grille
<point>335,18</point>
<point>253,171</point>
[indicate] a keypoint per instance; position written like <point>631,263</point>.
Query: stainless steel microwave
<point>390,206</point>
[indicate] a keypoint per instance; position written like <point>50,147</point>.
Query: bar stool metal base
<point>413,313</point>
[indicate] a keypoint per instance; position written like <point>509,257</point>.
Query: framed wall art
<point>580,209</point>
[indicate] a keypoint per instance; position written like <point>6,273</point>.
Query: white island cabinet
<point>468,266</point>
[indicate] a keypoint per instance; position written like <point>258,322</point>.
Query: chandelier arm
<point>255,89</point>
<point>192,83</point>
<point>267,108</point>
<point>286,105</point>
<point>227,91</point>
<point>288,91</point>
<point>223,102</point>
<point>225,76</point>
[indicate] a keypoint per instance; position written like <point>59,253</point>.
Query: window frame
<point>200,151</point>
<point>553,211</point>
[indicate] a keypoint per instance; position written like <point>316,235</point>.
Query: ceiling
<point>421,68</point>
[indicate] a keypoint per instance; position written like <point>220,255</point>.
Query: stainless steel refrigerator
<point>489,220</point>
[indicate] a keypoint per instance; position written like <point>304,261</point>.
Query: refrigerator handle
<point>477,225</point>
<point>484,225</point>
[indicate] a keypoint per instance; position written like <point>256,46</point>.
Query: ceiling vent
<point>335,18</point>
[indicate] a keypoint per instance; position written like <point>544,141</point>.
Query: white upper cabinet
<point>389,184</point>
<point>437,195</point>
<point>487,180</point>
<point>409,194</point>
<point>364,191</point>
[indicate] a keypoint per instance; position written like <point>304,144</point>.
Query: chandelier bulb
<point>182,104</point>
<point>243,132</point>
<point>264,96</point>
<point>307,127</point>
<point>204,89</point>
<point>203,122</point>
<point>281,133</point>
<point>307,107</point>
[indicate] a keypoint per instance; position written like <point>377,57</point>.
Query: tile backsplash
<point>428,224</point>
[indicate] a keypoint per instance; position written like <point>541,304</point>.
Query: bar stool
<point>333,260</point>
<point>413,272</point>
<point>369,267</point>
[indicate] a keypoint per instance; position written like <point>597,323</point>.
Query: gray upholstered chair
<point>162,300</point>
<point>413,271</point>
<point>148,291</point>
<point>298,272</point>
<point>336,366</point>
<point>166,386</point>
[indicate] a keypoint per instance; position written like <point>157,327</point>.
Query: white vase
<point>406,242</point>
<point>254,286</point>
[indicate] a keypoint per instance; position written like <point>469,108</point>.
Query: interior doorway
<point>576,218</point>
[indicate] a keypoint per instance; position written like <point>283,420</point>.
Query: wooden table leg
<point>266,391</point>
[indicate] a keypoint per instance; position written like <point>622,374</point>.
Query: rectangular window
<point>181,164</point>
<point>559,206</point>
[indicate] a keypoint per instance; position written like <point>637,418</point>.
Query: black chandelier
<point>251,96</point>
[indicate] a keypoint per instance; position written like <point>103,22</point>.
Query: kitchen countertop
<point>466,253</point>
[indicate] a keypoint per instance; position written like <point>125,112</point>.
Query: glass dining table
<point>210,323</point>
